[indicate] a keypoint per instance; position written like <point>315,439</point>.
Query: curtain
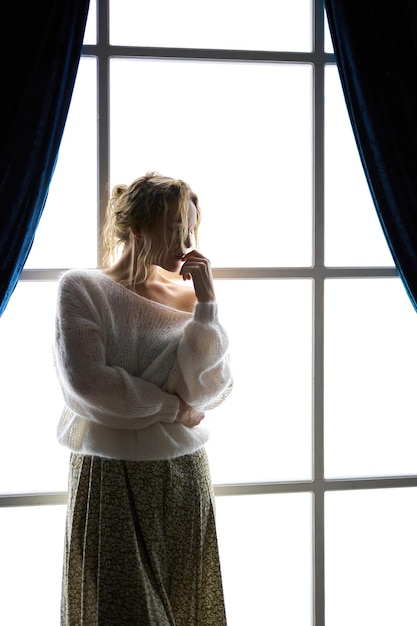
<point>375,44</point>
<point>40,49</point>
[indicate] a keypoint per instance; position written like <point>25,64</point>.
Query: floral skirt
<point>141,545</point>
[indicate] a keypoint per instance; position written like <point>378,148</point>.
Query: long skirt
<point>141,545</point>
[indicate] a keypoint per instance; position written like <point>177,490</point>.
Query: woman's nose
<point>187,241</point>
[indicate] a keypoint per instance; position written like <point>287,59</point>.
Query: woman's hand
<point>188,416</point>
<point>197,267</point>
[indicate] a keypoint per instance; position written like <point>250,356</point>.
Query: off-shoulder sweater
<point>123,362</point>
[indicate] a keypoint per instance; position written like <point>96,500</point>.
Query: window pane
<point>263,430</point>
<point>228,24</point>
<point>370,378</point>
<point>328,44</point>
<point>265,552</point>
<point>371,554</point>
<point>66,236</point>
<point>90,36</point>
<point>30,457</point>
<point>353,232</point>
<point>31,548</point>
<point>240,134</point>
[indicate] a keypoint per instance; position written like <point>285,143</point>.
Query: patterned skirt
<point>141,545</point>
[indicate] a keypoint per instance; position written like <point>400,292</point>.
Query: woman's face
<point>173,256</point>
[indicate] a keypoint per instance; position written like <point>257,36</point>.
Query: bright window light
<point>239,134</point>
<point>227,24</point>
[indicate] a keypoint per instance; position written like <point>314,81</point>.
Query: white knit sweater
<point>123,361</point>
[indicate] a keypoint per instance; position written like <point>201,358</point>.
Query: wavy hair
<point>144,205</point>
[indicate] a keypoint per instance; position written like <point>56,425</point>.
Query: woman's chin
<point>173,267</point>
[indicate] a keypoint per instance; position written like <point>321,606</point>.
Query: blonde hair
<point>144,205</point>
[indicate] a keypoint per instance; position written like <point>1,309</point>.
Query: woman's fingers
<point>198,267</point>
<point>188,416</point>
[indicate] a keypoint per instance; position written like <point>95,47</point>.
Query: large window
<point>312,455</point>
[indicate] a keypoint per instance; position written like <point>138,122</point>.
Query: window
<point>312,455</point>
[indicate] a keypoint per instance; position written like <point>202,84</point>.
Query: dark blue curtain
<point>375,44</point>
<point>40,48</point>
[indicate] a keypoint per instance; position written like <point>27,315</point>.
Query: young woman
<point>140,356</point>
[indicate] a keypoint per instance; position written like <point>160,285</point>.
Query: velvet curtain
<point>40,48</point>
<point>375,44</point>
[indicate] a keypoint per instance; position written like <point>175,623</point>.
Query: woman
<point>140,356</point>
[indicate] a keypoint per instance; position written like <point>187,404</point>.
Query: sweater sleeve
<point>202,376</point>
<point>93,389</point>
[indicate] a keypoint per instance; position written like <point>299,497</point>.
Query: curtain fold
<point>375,44</point>
<point>40,50</point>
